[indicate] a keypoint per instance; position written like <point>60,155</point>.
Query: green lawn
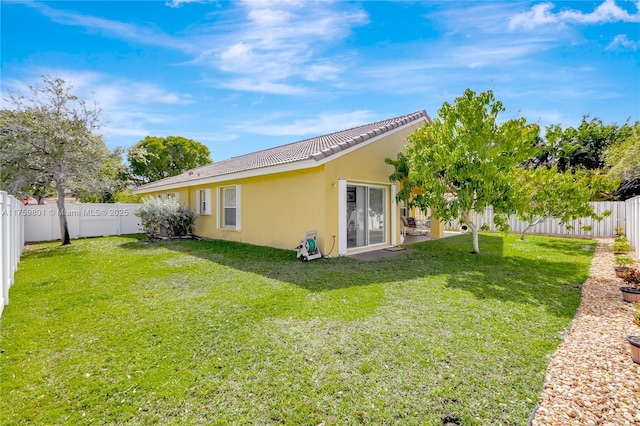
<point>117,331</point>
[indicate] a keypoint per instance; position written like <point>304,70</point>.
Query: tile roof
<point>315,148</point>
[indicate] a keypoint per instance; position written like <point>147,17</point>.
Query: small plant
<point>619,231</point>
<point>623,260</point>
<point>621,247</point>
<point>621,239</point>
<point>632,277</point>
<point>636,315</point>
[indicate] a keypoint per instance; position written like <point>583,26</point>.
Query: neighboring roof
<point>316,148</point>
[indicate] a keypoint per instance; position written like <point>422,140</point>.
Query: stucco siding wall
<point>277,210</point>
<point>365,165</point>
<point>205,223</point>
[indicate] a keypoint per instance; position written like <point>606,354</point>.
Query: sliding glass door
<point>366,215</point>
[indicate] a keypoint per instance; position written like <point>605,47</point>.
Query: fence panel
<point>11,243</point>
<point>604,228</point>
<point>83,220</point>
<point>632,229</point>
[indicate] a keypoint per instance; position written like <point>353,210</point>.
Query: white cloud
<point>282,41</point>
<point>238,55</point>
<point>317,72</point>
<point>145,35</point>
<point>264,42</point>
<point>320,124</point>
<point>119,131</point>
<point>264,87</point>
<point>608,11</point>
<point>473,17</point>
<point>623,41</point>
<point>150,93</point>
<point>542,15</point>
<point>128,108</point>
<point>179,3</point>
<point>449,63</point>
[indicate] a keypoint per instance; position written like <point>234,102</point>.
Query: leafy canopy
<point>47,144</point>
<point>623,158</point>
<point>594,145</point>
<point>548,193</point>
<point>581,147</point>
<point>464,160</point>
<point>155,158</point>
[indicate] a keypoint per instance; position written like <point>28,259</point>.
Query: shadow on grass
<point>49,250</point>
<point>563,245</point>
<point>549,278</point>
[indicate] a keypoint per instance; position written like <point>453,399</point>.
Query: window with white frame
<point>174,195</point>
<point>229,202</point>
<point>203,201</point>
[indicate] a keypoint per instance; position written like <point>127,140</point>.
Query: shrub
<point>165,218</point>
<point>623,260</point>
<point>621,246</point>
<point>126,197</point>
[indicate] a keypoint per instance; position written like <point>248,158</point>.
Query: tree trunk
<point>531,225</point>
<point>476,246</point>
<point>524,232</point>
<point>474,232</point>
<point>62,216</point>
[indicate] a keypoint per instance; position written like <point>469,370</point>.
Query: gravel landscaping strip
<point>591,379</point>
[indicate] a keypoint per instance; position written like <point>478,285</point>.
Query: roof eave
<point>314,160</point>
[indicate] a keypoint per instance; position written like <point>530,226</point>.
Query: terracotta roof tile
<point>315,148</point>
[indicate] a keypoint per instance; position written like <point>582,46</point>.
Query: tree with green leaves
<point>155,158</point>
<point>401,174</point>
<point>548,193</point>
<point>581,147</point>
<point>464,160</point>
<point>47,140</point>
<point>115,179</point>
<point>623,158</point>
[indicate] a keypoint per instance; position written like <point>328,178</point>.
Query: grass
<point>118,331</point>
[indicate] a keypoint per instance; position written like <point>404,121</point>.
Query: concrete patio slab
<point>408,240</point>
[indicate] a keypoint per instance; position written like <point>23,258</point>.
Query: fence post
<point>13,234</point>
<point>632,226</point>
<point>4,296</point>
<point>6,255</point>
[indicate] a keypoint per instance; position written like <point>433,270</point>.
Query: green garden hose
<point>312,245</point>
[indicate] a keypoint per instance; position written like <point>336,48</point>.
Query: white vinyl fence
<point>633,223</point>
<point>11,242</point>
<point>42,223</point>
<point>604,228</point>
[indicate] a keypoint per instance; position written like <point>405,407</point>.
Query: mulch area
<point>591,379</point>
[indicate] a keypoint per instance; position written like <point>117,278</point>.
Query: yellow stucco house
<point>337,184</point>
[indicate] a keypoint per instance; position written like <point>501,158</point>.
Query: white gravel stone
<point>591,375</point>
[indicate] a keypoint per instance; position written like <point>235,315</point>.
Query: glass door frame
<point>389,220</point>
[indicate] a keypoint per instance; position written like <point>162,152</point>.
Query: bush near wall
<point>165,218</point>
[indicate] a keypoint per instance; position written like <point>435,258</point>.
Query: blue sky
<point>248,75</point>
